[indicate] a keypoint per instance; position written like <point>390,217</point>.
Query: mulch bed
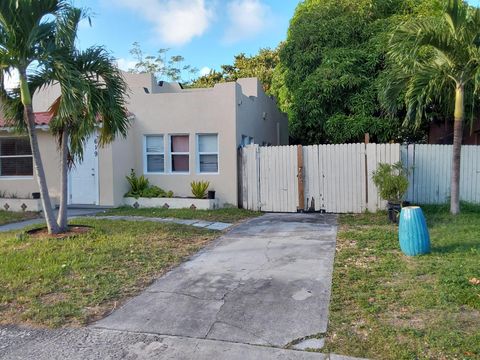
<point>42,233</point>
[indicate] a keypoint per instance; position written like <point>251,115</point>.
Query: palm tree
<point>26,28</point>
<point>92,89</point>
<point>436,61</point>
<point>96,93</point>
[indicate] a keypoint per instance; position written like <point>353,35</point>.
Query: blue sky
<point>208,33</point>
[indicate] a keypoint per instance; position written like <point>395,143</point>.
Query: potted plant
<point>391,181</point>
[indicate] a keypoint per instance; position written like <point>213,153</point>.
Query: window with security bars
<point>207,155</point>
<point>15,157</point>
<point>154,154</point>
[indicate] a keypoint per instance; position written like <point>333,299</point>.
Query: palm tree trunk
<point>62,218</point>
<point>29,118</point>
<point>457,149</point>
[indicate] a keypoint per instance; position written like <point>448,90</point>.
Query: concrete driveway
<point>266,282</point>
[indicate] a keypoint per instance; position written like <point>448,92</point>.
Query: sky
<point>207,33</point>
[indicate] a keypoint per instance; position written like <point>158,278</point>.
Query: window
<point>15,157</point>
<point>179,152</point>
<point>246,140</point>
<point>154,154</point>
<point>207,153</point>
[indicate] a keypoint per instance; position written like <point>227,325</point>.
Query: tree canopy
<point>331,67</point>
<point>261,65</point>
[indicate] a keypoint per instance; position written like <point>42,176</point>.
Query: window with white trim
<point>179,153</point>
<point>16,157</point>
<point>207,154</point>
<point>154,154</point>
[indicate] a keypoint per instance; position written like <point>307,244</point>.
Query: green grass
<point>73,281</point>
<point>388,306</point>
<point>7,217</point>
<point>230,215</point>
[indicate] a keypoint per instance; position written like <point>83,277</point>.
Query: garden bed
<point>172,203</point>
<point>21,205</point>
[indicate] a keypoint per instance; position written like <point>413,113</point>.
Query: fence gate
<point>332,178</point>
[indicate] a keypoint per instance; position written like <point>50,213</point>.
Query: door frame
<point>97,177</point>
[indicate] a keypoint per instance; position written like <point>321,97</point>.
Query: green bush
<point>199,188</point>
<point>140,187</point>
<point>391,181</point>
<point>138,184</point>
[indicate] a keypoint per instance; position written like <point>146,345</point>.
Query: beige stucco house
<point>176,136</point>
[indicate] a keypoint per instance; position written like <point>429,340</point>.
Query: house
<point>176,136</point>
<point>441,132</point>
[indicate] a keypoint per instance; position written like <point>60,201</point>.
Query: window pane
<point>16,166</point>
<point>155,163</point>
<point>208,163</point>
<point>180,143</point>
<point>207,143</point>
<point>155,144</point>
<point>12,146</point>
<point>180,163</point>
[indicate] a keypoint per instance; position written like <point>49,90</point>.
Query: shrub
<point>138,184</point>
<point>140,187</point>
<point>199,188</point>
<point>391,181</point>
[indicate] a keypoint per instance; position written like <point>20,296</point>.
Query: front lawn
<point>230,215</point>
<point>79,279</point>
<point>388,306</point>
<point>7,217</point>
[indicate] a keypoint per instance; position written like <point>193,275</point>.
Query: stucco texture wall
<point>258,115</point>
<point>211,111</point>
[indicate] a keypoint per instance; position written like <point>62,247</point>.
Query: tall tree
<point>331,64</point>
<point>92,89</point>
<point>172,68</point>
<point>437,60</point>
<point>260,65</point>
<point>26,30</point>
<point>97,95</point>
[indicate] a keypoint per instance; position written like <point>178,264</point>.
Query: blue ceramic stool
<point>413,232</point>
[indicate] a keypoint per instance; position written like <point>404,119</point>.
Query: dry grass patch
<point>72,281</point>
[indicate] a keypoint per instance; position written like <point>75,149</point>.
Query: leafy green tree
<point>437,61</point>
<point>261,65</point>
<point>172,69</point>
<point>331,64</point>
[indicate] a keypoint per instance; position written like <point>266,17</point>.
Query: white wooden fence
<point>331,178</point>
<point>337,178</point>
<point>430,171</point>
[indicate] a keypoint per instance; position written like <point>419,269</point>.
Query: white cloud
<point>125,64</point>
<point>247,19</point>
<point>12,80</point>
<point>176,22</point>
<point>205,71</point>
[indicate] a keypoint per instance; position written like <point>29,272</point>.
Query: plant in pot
<point>391,181</point>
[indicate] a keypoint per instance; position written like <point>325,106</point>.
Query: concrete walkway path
<point>87,213</point>
<point>261,286</point>
<point>72,213</point>
<point>211,225</point>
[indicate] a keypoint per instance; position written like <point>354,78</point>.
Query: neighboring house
<point>176,136</point>
<point>442,133</point>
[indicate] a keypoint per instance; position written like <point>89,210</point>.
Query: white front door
<point>83,184</point>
